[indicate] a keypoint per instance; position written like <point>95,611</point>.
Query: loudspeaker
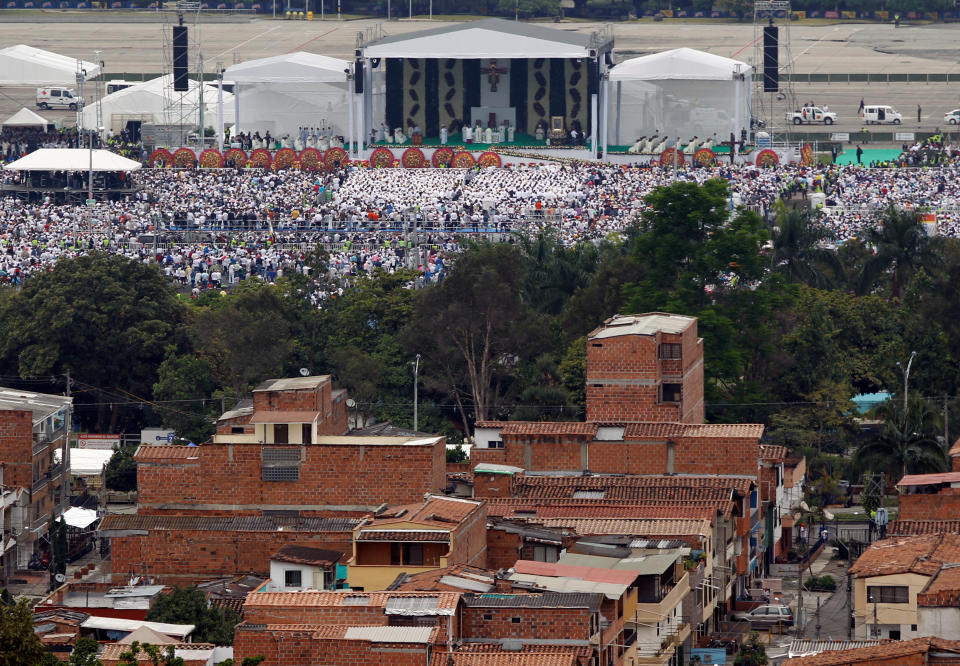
<point>771,58</point>
<point>358,76</point>
<point>180,59</point>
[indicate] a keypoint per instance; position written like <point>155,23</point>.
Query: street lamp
<point>416,373</point>
<point>906,379</point>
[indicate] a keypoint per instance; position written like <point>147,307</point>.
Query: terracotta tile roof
<point>549,428</point>
<point>233,603</point>
<point>955,449</point>
<point>300,554</point>
<point>431,536</point>
<point>458,578</point>
<point>705,488</point>
<point>929,479</point>
<point>501,506</point>
<point>263,416</point>
<point>490,424</point>
<point>505,659</point>
<point>337,599</point>
<point>630,527</point>
<point>522,509</point>
<point>113,651</point>
<point>592,574</point>
<point>487,648</point>
<point>943,590</point>
<point>886,652</point>
<point>116,521</point>
<point>770,452</point>
<point>922,554</point>
<point>438,511</point>
<point>151,452</point>
<point>691,430</point>
<point>914,527</point>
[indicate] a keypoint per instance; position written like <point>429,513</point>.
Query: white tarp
<point>489,38</point>
<point>155,101</point>
<point>72,159</point>
<point>123,624</point>
<point>26,118</point>
<point>80,518</point>
<point>88,462</point>
<point>679,94</point>
<point>299,67</point>
<point>23,65</point>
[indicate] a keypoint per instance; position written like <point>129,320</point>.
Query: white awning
<point>77,517</point>
<point>22,65</point>
<point>122,624</point>
<point>682,63</point>
<point>72,159</point>
<point>88,462</point>
<point>26,118</point>
<point>300,67</point>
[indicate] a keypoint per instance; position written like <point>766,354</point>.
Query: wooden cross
<point>493,74</point>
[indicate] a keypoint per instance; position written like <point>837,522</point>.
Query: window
<point>671,392</point>
<point>280,464</point>
<point>406,553</point>
<point>236,430</point>
<point>281,433</point>
<point>306,431</point>
<point>515,620</point>
<point>670,351</point>
<point>913,627</point>
<point>894,635</point>
<point>291,578</point>
<point>888,594</point>
<point>488,616</point>
<point>543,553</point>
<point>495,444</point>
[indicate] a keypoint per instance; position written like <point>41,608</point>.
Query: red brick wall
<point>470,540</point>
<point>287,647</point>
<point>628,458</point>
<point>543,623</point>
<point>331,475</point>
<point>273,614</point>
<point>717,455</point>
<point>184,557</point>
<point>503,549</point>
<point>16,447</point>
<point>491,485</point>
<point>944,505</point>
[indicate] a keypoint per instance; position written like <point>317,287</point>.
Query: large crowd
<point>214,228</point>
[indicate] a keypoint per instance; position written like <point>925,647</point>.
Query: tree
<point>907,440</point>
<point>247,661</point>
<point>158,656</point>
<point>752,652</point>
<point>104,318</point>
<point>85,653</point>
<point>798,252</point>
<point>19,645</point>
<point>121,470</point>
<point>554,271</point>
<point>901,248</point>
<point>181,379</point>
<point>189,606</point>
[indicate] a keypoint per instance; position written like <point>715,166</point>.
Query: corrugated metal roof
<point>415,606</point>
<point>466,583</point>
<point>292,383</point>
<point>41,405</point>
<point>642,565</point>
<point>123,624</point>
<point>327,599</point>
<point>595,574</point>
<point>390,634</point>
<point>491,468</point>
<point>122,522</point>
<point>284,417</point>
<point>539,600</point>
<point>915,527</point>
<point>430,536</point>
<point>929,479</point>
<point>630,527</point>
<point>549,428</point>
<point>802,647</point>
<point>643,324</point>
<point>610,590</point>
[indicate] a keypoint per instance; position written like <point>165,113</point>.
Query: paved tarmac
<point>130,42</point>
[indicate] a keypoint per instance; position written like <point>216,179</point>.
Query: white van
<point>58,98</point>
<point>880,114</point>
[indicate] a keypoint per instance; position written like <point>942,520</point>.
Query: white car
<point>952,117</point>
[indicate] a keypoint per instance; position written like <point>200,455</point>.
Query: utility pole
<point>946,422</point>
<point>906,379</point>
<point>416,373</point>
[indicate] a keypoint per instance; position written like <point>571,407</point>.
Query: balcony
<point>660,650</point>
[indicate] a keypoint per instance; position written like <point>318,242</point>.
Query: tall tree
<point>183,384</point>
<point>907,440</point>
<point>19,645</point>
<point>189,606</point>
<point>901,248</point>
<point>85,653</point>
<point>799,251</point>
<point>554,271</point>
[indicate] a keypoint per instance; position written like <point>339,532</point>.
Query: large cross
<point>493,74</point>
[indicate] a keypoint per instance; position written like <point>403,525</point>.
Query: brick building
<point>923,651</point>
<point>645,367</point>
<point>34,457</point>
<point>930,496</point>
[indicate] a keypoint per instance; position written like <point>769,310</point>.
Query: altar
<point>482,113</point>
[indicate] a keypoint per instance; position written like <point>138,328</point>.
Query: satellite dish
<point>828,515</point>
<point>304,372</point>
<point>60,578</point>
<point>351,403</point>
<point>803,505</point>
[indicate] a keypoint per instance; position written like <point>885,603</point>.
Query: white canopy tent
<point>27,118</point>
<point>679,93</point>
<point>22,65</point>
<point>284,93</point>
<point>72,159</point>
<point>88,462</point>
<point>155,101</point>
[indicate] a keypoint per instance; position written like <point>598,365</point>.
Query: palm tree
<point>901,248</point>
<point>553,272</point>
<point>798,248</point>
<point>907,441</point>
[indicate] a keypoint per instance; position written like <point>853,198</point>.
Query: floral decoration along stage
<point>767,158</point>
<point>381,158</point>
<point>311,159</point>
<point>463,160</point>
<point>442,157</point>
<point>334,157</point>
<point>260,158</point>
<point>211,159</point>
<point>670,157</point>
<point>235,158</point>
<point>285,158</point>
<point>184,158</point>
<point>161,158</point>
<point>704,157</point>
<point>489,159</point>
<point>413,158</point>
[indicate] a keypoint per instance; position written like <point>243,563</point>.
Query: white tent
<point>284,93</point>
<point>679,93</point>
<point>23,65</point>
<point>88,462</point>
<point>72,159</point>
<point>27,118</point>
<point>155,101</point>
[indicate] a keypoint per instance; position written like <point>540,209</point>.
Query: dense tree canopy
<point>189,606</point>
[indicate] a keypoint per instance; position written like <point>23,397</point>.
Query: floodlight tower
<point>773,65</point>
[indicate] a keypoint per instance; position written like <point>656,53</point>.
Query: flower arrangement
<point>235,158</point>
<point>161,157</point>
<point>334,155</point>
<point>767,158</point>
<point>211,159</point>
<point>285,158</point>
<point>489,159</point>
<point>463,160</point>
<point>413,158</point>
<point>260,158</point>
<point>671,156</point>
<point>311,159</point>
<point>184,158</point>
<point>381,158</point>
<point>442,157</point>
<point>704,157</point>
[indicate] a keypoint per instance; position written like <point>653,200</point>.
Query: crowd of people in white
<point>214,228</point>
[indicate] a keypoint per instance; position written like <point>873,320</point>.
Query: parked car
<point>765,616</point>
<point>952,117</point>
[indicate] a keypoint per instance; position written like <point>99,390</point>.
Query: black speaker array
<point>358,76</point>
<point>180,59</point>
<point>771,57</point>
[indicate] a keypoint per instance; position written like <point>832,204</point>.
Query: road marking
<point>297,48</point>
<point>234,48</point>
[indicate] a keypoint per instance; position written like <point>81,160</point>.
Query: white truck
<point>812,114</point>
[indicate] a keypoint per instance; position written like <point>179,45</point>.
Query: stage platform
<point>521,141</point>
<point>61,195</point>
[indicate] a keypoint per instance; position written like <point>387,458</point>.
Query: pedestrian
<point>918,113</point>
<point>860,110</point>
<point>859,155</point>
